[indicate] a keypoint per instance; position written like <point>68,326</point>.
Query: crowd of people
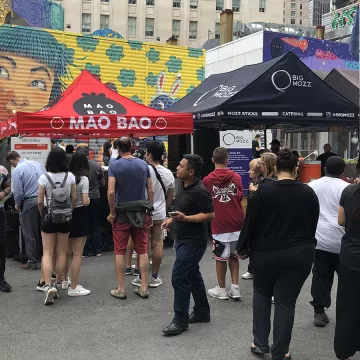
<point>288,230</point>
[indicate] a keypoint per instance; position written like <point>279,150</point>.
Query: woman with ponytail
<point>347,331</point>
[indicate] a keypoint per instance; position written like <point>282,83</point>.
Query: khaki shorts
<point>156,234</point>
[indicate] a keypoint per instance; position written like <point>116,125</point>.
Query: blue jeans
<point>187,280</point>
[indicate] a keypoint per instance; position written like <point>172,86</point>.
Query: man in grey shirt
<point>94,242</point>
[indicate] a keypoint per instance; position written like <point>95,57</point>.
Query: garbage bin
<point>309,171</point>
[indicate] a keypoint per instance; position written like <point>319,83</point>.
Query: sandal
<point>259,350</point>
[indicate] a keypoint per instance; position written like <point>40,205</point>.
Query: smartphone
<point>172,213</point>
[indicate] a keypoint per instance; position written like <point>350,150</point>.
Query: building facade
<point>317,8</point>
<point>192,22</point>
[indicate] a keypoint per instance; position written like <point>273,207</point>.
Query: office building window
<point>220,5</point>
<point>300,13</point>
<point>236,5</point>
<point>86,22</point>
<point>193,30</point>
<point>261,5</point>
<point>132,26</point>
<point>176,28</point>
<point>132,2</point>
<point>194,4</point>
<point>300,6</point>
<point>177,3</point>
<point>293,5</point>
<point>300,21</point>
<point>105,1</point>
<point>284,12</point>
<point>150,2</point>
<point>149,27</point>
<point>284,5</point>
<point>292,21</point>
<point>293,13</point>
<point>104,21</point>
<point>283,20</point>
<point>217,30</point>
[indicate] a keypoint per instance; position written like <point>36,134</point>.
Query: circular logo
<point>161,123</point>
<point>57,123</point>
<point>229,139</point>
<point>281,80</point>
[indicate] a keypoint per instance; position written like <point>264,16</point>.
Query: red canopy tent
<point>88,108</point>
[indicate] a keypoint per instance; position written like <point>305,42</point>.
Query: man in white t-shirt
<point>328,235</point>
<point>164,184</point>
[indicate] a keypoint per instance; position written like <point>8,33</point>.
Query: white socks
<point>234,287</point>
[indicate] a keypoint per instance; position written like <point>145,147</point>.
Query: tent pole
<point>265,137</point>
<point>192,143</point>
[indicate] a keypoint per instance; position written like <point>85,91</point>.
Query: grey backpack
<point>60,206</point>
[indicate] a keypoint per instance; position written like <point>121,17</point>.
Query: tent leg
<point>192,143</point>
<point>265,137</point>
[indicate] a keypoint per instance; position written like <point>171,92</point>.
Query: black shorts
<point>80,223</point>
<point>48,227</point>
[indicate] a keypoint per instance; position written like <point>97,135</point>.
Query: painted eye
<point>39,84</point>
<point>4,74</point>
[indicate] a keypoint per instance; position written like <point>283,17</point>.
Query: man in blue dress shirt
<point>25,176</point>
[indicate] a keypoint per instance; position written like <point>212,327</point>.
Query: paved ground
<point>102,327</point>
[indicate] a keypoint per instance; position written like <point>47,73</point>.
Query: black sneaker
<point>40,286</point>
<point>321,320</point>
<point>4,286</point>
<point>136,272</point>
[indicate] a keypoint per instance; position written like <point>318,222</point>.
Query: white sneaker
<point>272,300</point>
<point>50,294</point>
<point>247,276</point>
<point>78,291</point>
<point>154,283</point>
<point>136,282</point>
<point>134,255</point>
<point>219,293</point>
<point>65,284</point>
<point>235,294</point>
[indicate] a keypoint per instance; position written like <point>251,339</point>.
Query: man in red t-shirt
<point>226,189</point>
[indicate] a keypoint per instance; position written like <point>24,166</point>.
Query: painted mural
<point>37,13</point>
<point>320,56</point>
<point>37,65</point>
<point>343,17</point>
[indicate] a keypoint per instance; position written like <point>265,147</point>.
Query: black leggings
<point>281,273</point>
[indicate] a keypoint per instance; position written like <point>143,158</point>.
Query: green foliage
<point>137,99</point>
<point>127,77</point>
<point>135,45</point>
<point>195,52</point>
<point>94,69</point>
<point>87,43</point>
<point>115,53</point>
<point>153,55</point>
<point>174,64</point>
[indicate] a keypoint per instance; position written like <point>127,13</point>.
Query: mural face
<point>318,55</point>
<point>24,84</point>
<point>36,66</point>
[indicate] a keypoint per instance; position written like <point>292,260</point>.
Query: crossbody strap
<point>160,180</point>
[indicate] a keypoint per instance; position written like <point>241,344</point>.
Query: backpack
<point>60,205</point>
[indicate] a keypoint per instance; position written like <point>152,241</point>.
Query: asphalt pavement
<point>99,326</point>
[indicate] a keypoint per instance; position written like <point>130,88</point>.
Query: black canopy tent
<point>281,91</point>
<point>346,82</point>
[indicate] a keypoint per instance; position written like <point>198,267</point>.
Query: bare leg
<point>120,271</point>
<point>62,243</point>
<point>77,250</point>
<point>68,258</point>
<point>42,272</point>
<point>234,270</point>
<point>157,253</point>
<point>129,251</point>
<point>48,241</point>
<point>221,267</point>
<point>144,268</point>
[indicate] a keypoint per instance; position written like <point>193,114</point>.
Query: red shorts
<point>121,234</point>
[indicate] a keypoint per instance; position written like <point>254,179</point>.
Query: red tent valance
<point>88,108</point>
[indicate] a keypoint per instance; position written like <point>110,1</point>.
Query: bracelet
<point>112,216</point>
